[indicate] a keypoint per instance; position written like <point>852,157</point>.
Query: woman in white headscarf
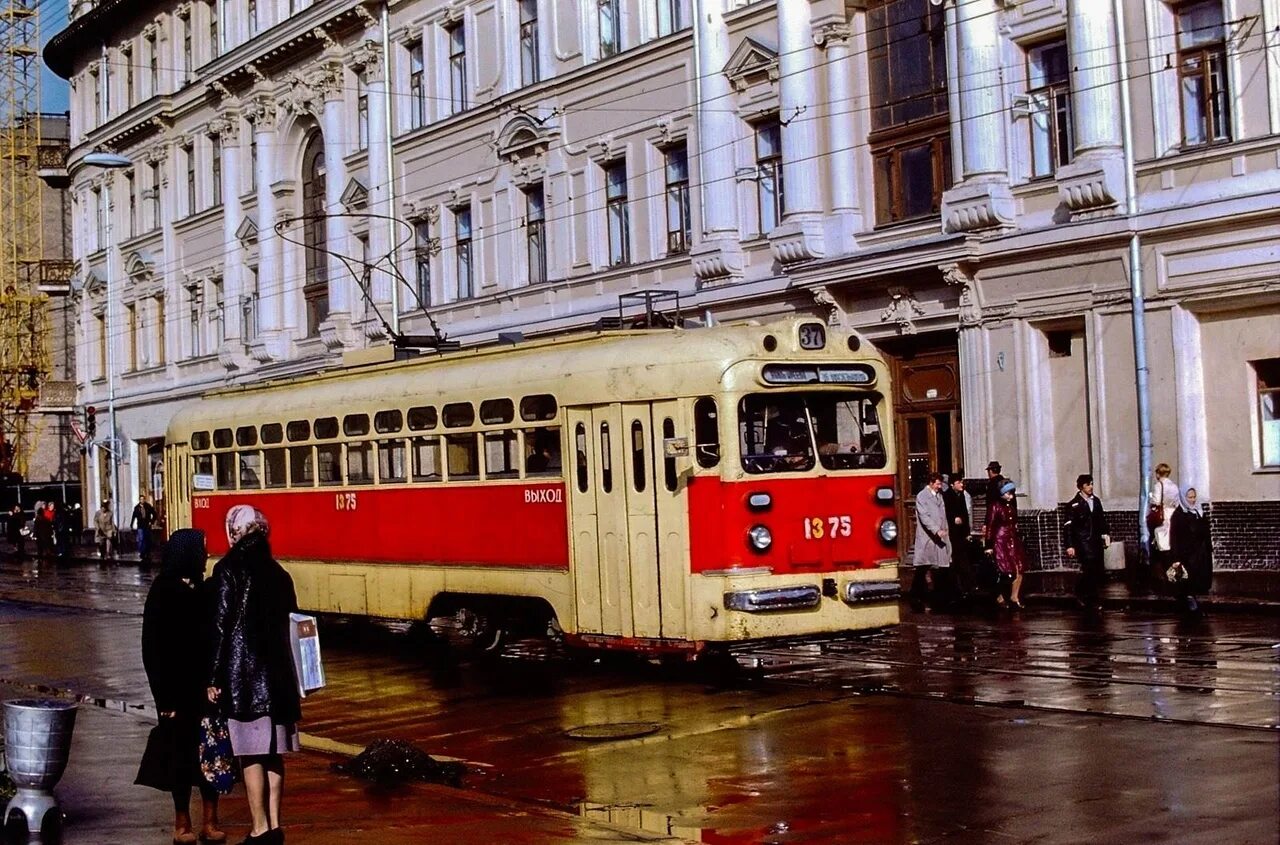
<point>1191,573</point>
<point>252,678</point>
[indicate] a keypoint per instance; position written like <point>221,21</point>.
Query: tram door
<point>614,518</point>
<point>177,472</point>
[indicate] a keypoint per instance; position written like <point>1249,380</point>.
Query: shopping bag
<point>159,766</point>
<point>304,637</point>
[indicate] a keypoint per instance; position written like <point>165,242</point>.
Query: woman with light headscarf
<point>1006,546</point>
<point>1192,571</point>
<point>252,678</point>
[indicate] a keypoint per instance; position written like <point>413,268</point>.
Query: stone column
<point>842,134</point>
<point>718,254</point>
<point>337,229</point>
<point>271,282</point>
<point>227,128</point>
<point>367,60</point>
<point>1094,182</point>
<point>800,236</point>
<point>982,200</point>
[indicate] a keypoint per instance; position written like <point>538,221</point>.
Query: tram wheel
<point>478,632</point>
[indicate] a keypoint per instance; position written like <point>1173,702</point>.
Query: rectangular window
<point>462,250</point>
<point>132,188</point>
<point>362,114</point>
<point>126,58</point>
<point>215,42</point>
<point>422,262</point>
<point>153,65</point>
<point>106,90</point>
<point>360,462</point>
<point>253,17</point>
<point>217,313</point>
<point>131,322</point>
<point>1202,73</point>
<point>609,16</point>
<point>329,463</point>
<point>536,233</point>
<point>615,182</point>
<point>910,135</point>
<point>101,320</point>
<point>302,466</point>
<point>249,307</point>
<point>196,323</point>
<point>154,173</point>
<point>189,155</point>
<point>769,192</point>
<point>253,159</point>
<point>215,167</point>
<point>679,225</point>
<point>426,458</point>
<point>1268,385</point>
<point>417,87</point>
<point>391,465</point>
<point>159,336</point>
<point>501,454</point>
<point>99,220</point>
<point>187,63</point>
<point>273,467</point>
<point>225,462</point>
<point>1049,107</point>
<point>670,16</point>
<point>463,455</point>
<point>457,35</point>
<point>529,70</point>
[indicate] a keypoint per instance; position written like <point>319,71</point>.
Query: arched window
<point>315,289</point>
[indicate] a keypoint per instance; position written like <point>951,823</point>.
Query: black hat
<point>994,466</point>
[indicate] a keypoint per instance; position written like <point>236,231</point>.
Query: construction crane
<point>24,356</point>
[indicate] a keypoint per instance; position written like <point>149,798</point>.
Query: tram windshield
<point>787,432</point>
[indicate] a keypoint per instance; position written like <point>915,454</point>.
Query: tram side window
<point>391,469</point>
<point>200,441</point>
<point>250,470</point>
<point>302,466</point>
<point>670,477</point>
<point>246,435</point>
<point>422,418</point>
<point>326,428</point>
<point>222,438</point>
<point>426,458</point>
<point>355,425</point>
<point>388,422</point>
<point>458,415</point>
<point>538,408</point>
<point>360,461</point>
<point>298,431</point>
<point>497,411</point>
<point>580,447</point>
<point>542,452</point>
<point>273,463</point>
<point>329,462</point>
<point>226,466</point>
<point>463,456</point>
<point>774,435</point>
<point>847,429</point>
<point>706,432</point>
<point>638,468</point>
<point>606,459</point>
<point>202,464</point>
<point>501,454</point>
<point>273,433</point>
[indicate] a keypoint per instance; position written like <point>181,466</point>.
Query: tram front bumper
<point>768,600</point>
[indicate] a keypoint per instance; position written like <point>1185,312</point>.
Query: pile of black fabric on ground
<point>391,762</point>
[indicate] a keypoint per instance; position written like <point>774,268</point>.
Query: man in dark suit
<point>994,482</point>
<point>1086,534</point>
<point>959,505</point>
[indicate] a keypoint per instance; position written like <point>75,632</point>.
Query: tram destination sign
<point>859,374</point>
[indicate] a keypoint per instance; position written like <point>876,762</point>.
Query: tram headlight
<point>888,530</point>
<point>761,538</point>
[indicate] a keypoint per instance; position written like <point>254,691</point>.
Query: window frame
<point>535,205</point>
<point>527,22</point>
<point>464,269</point>
<point>1210,59</point>
<point>617,213</point>
<point>456,50</point>
<point>677,193</point>
<point>1262,391</point>
<point>417,85</point>
<point>1053,95</point>
<point>610,36</point>
<point>769,173</point>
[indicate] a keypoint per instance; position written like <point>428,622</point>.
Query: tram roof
<point>579,368</point>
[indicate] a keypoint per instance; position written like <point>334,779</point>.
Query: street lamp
<point>110,161</point>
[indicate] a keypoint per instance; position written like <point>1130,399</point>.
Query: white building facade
<point>950,179</point>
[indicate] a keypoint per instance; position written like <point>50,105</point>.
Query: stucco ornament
<point>823,298</point>
<point>902,310</point>
<point>969,307</point>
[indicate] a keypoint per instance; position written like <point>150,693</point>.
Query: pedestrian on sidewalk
<point>42,528</point>
<point>1191,573</point>
<point>1005,545</point>
<point>144,517</point>
<point>175,653</point>
<point>1163,502</point>
<point>252,677</point>
<point>16,531</point>
<point>959,507</point>
<point>931,556</point>
<point>1087,534</point>
<point>104,531</point>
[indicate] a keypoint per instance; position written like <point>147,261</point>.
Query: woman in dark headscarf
<point>252,677</point>
<point>176,656</point>
<point>1192,551</point>
<point>1006,545</point>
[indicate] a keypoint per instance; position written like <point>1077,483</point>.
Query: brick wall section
<point>1246,535</point>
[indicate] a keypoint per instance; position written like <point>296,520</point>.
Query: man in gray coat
<point>933,542</point>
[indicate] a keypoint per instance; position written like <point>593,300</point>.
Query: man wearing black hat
<point>1086,535</point>
<point>994,482</point>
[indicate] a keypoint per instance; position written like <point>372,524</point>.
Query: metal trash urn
<point>37,743</point>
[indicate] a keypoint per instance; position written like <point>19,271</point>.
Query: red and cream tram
<point>665,489</point>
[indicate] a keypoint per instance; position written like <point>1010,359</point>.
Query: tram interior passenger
<point>781,433</point>
<point>543,447</point>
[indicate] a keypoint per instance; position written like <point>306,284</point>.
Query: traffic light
<point>90,422</point>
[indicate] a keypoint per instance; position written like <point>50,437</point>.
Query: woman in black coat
<point>175,655</point>
<point>1191,549</point>
<point>252,677</point>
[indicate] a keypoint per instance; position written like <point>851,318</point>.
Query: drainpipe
<point>1141,371</point>
<point>392,234</point>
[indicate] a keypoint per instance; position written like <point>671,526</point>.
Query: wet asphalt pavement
<point>1043,728</point>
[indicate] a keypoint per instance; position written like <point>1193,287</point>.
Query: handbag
<point>217,762</point>
<point>1155,512</point>
<point>159,766</point>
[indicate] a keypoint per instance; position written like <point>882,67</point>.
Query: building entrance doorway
<point>926,399</point>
